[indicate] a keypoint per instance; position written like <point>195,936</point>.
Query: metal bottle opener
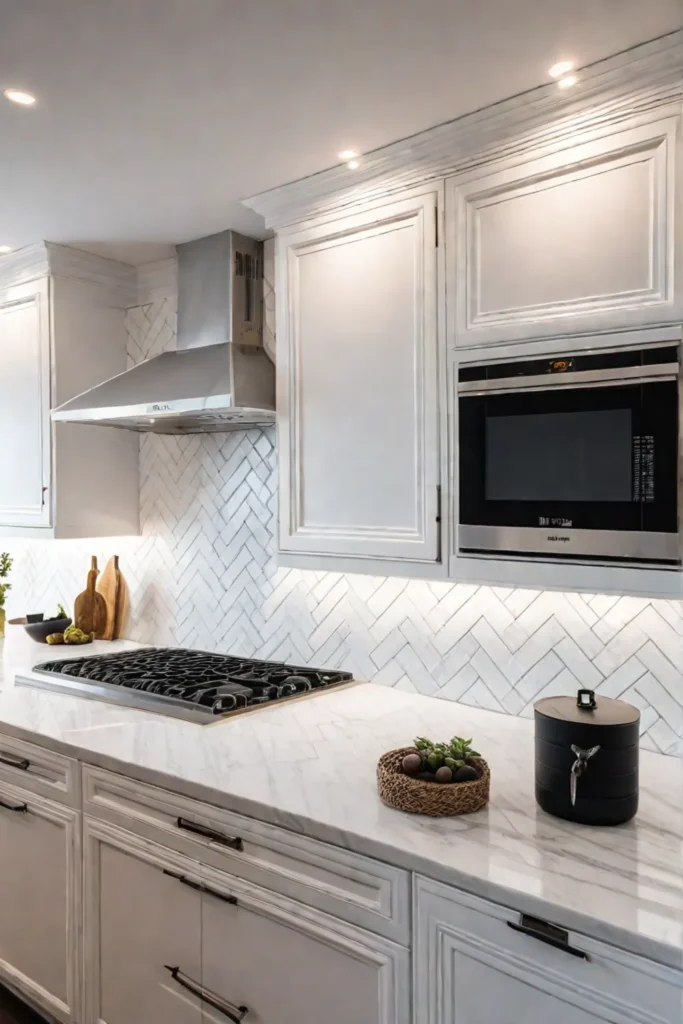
<point>579,767</point>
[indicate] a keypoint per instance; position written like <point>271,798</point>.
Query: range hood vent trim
<point>219,378</point>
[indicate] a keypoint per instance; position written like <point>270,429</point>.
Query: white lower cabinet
<point>472,967</point>
<point>139,921</point>
<point>40,901</point>
<point>171,942</point>
<point>281,963</point>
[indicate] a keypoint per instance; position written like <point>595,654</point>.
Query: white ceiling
<point>155,116</point>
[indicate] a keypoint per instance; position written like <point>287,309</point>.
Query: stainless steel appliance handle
<point>200,887</point>
<point>232,1012</point>
<point>612,377</point>
<point>14,807</point>
<point>234,842</point>
<point>535,928</point>
<point>15,762</point>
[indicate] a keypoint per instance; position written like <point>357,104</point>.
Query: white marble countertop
<point>309,766</point>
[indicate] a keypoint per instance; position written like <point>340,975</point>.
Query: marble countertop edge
<point>517,900</point>
<point>309,767</point>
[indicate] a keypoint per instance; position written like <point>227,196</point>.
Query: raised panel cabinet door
<point>472,992</point>
<point>477,962</point>
<point>25,406</point>
<point>277,963</point>
<point>140,922</point>
<point>40,901</point>
<point>580,240</point>
<point>358,409</point>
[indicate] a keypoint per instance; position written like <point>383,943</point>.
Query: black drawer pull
<point>200,887</point>
<point>234,1013</point>
<point>14,807</point>
<point>535,928</point>
<point>234,842</point>
<point>15,762</point>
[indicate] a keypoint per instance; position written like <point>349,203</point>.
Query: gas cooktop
<point>194,685</point>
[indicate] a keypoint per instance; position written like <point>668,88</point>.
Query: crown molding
<point>157,280</point>
<point>632,83</point>
<point>47,259</point>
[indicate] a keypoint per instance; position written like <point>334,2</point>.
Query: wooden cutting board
<point>90,610</point>
<point>122,607</point>
<point>114,589</point>
<point>109,585</point>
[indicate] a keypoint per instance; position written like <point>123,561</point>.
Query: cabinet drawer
<point>39,770</point>
<point>460,937</point>
<point>356,889</point>
<point>174,941</point>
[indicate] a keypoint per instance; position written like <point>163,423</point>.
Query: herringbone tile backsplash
<point>203,574</point>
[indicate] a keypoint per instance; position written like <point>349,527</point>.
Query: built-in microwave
<point>575,456</point>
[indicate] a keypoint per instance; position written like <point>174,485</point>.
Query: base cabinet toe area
<point>480,963</point>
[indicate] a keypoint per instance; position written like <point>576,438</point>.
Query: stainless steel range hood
<point>220,378</point>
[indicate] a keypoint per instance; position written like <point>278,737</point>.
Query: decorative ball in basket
<point>434,778</point>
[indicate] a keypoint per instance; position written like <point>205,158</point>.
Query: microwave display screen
<point>560,456</point>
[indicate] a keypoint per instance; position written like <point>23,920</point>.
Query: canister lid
<point>587,709</point>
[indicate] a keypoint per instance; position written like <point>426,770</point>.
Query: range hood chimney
<point>220,377</point>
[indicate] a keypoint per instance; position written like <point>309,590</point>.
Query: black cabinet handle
<point>14,807</point>
<point>234,1013</point>
<point>15,762</point>
<point>200,887</point>
<point>535,928</point>
<point>234,842</point>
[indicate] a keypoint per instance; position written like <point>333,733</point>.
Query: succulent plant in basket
<point>454,761</point>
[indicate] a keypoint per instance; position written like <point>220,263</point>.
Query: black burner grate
<point>215,681</point>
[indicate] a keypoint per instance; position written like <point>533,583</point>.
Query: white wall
<point>203,574</point>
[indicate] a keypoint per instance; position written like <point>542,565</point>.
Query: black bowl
<point>40,631</point>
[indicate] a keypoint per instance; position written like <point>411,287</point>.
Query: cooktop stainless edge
<point>157,703</point>
<point>111,694</point>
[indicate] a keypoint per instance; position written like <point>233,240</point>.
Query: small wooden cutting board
<point>108,586</point>
<point>122,607</point>
<point>90,610</point>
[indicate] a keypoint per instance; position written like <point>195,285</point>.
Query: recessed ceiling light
<point>24,99</point>
<point>561,68</point>
<point>4,249</point>
<point>348,154</point>
<point>353,165</point>
<point>567,82</point>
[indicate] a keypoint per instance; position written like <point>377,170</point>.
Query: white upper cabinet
<point>358,401</point>
<point>580,240</point>
<point>25,406</point>
<point>62,331</point>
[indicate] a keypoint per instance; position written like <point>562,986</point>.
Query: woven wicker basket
<point>420,797</point>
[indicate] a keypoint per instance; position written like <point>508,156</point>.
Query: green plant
<point>454,754</point>
<point>5,566</point>
<point>61,612</point>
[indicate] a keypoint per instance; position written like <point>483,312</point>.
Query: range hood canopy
<point>220,377</point>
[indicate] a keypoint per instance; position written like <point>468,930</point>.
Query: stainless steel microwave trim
<point>582,378</point>
<point>625,545</point>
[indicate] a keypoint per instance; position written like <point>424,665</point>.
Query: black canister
<point>587,758</point>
